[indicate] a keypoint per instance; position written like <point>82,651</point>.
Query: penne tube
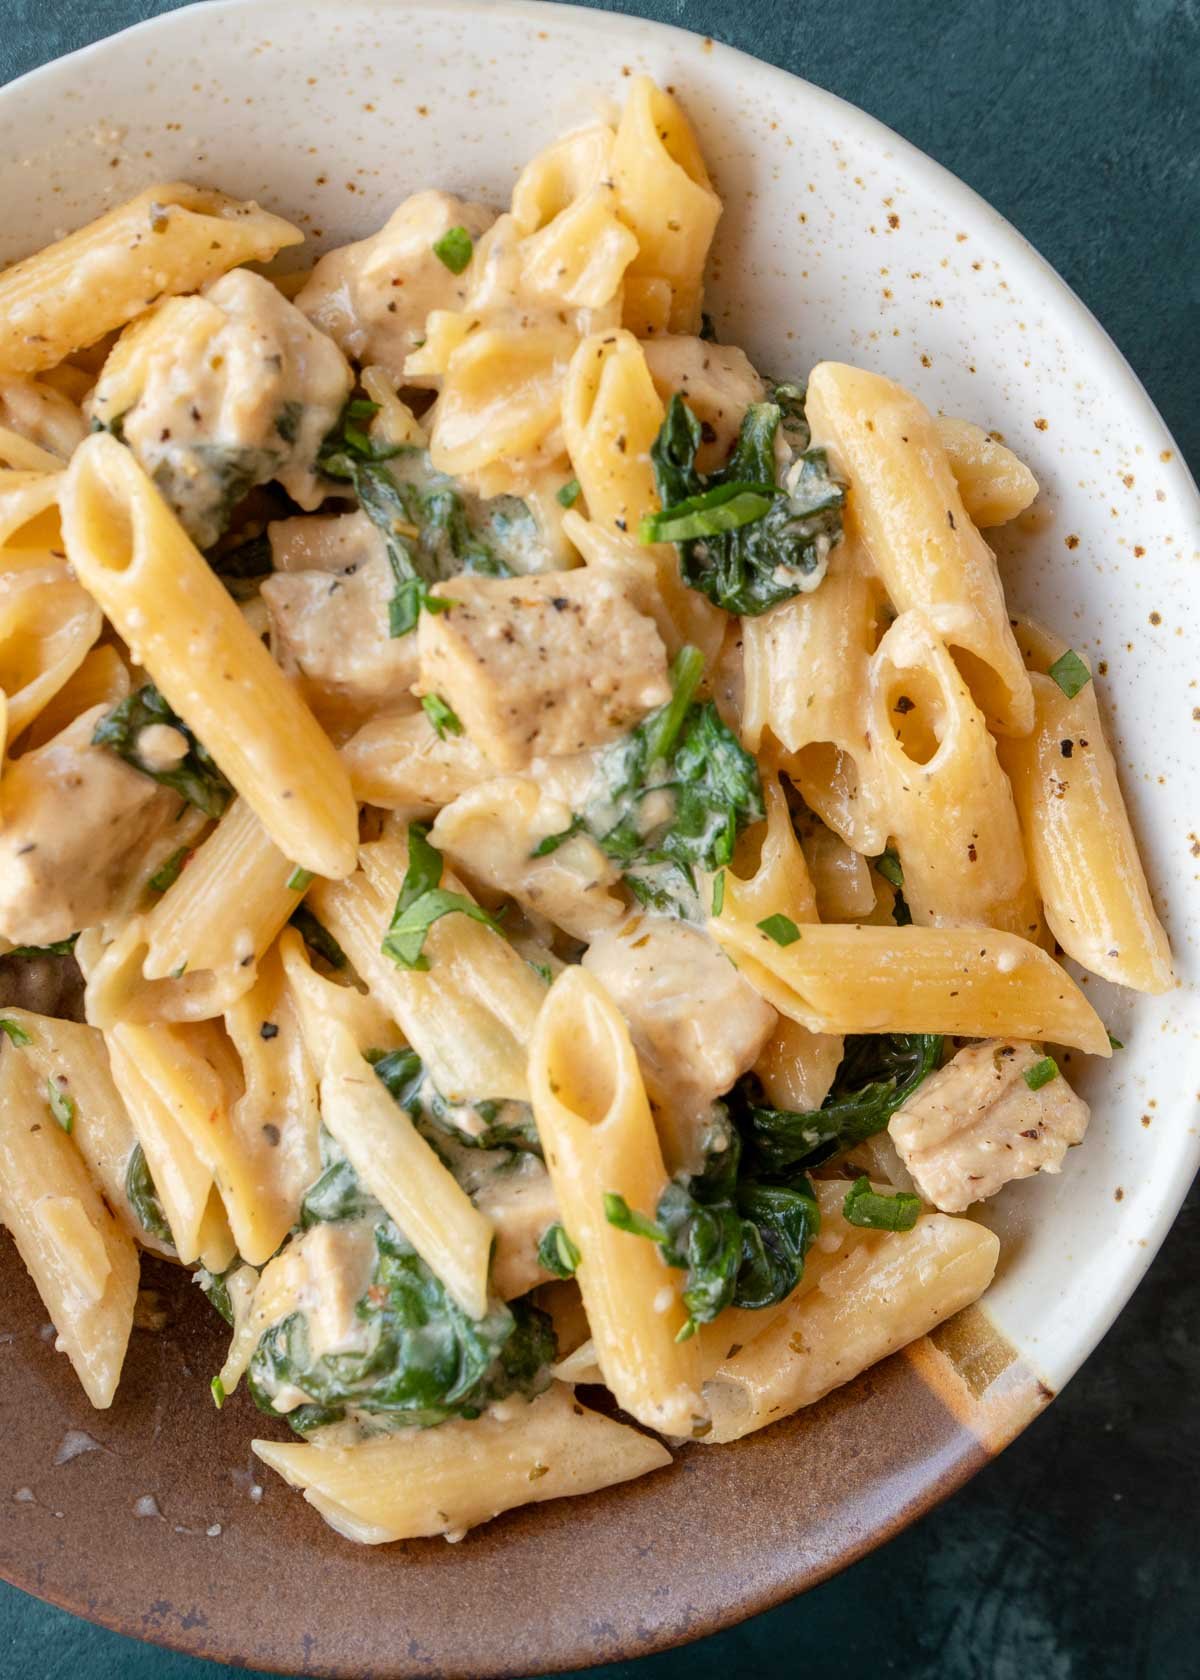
<point>84,1265</point>
<point>130,552</point>
<point>864,1295</point>
<point>1082,849</point>
<point>394,1162</point>
<point>611,416</point>
<point>994,484</point>
<point>949,805</point>
<point>594,1120</point>
<point>227,904</point>
<point>859,979</point>
<point>926,550</point>
<point>171,238</point>
<point>446,1480</point>
<point>664,194</point>
<point>470,1015</point>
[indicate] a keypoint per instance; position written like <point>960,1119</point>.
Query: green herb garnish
<point>567,494</point>
<point>15,1032</point>
<point>619,1213</point>
<point>62,1104</point>
<point>718,893</point>
<point>422,901</point>
<point>454,249</point>
<point>218,1392</point>
<point>144,1199</point>
<point>1070,673</point>
<point>444,719</point>
<point>557,1253</point>
<point>782,929</point>
<point>876,1212</point>
<point>299,880</point>
<point>1041,1073</point>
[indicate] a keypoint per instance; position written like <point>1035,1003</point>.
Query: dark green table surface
<point>1077,1556</point>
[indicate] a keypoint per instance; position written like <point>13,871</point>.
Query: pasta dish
<point>534,859</point>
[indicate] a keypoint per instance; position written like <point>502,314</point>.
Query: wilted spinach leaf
<point>195,778</point>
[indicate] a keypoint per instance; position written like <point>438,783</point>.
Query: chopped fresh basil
<point>144,1199</point>
<point>747,539</point>
<point>1115,1043</point>
<point>557,1253</point>
<point>1041,1073</point>
<point>454,249</point>
<point>317,936</point>
<point>62,1104</point>
<point>567,494</point>
<point>217,1389</point>
<point>422,902</point>
<point>418,1358</point>
<point>444,718</point>
<point>542,970</point>
<point>299,880</point>
<point>195,778</point>
<point>168,872</point>
<point>1070,673</point>
<point>874,1211</point>
<point>15,1032</point>
<point>782,929</point>
<point>878,1073</point>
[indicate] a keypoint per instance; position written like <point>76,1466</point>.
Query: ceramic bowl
<point>838,240</point>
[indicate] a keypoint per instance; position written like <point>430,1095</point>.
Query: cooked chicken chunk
<point>696,1024</point>
<point>331,625</point>
<point>217,393</point>
<point>75,823</point>
<point>520,1203</point>
<point>715,380</point>
<point>977,1124</point>
<point>491,833</point>
<point>542,665</point>
<point>373,297</point>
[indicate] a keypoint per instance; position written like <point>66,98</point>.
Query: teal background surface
<point>1077,1555</point>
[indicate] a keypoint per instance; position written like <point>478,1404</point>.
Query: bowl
<point>839,241</point>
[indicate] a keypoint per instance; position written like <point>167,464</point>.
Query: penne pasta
<point>1082,851</point>
<point>85,1266</point>
<point>131,554</point>
<point>594,1121</point>
<point>171,238</point>
<point>445,1481</point>
<point>923,545</point>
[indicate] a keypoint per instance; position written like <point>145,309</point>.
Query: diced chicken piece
<point>373,297</point>
<point>976,1125</point>
<point>75,823</point>
<point>521,1205</point>
<point>696,1024</point>
<point>542,665</point>
<point>217,393</point>
<point>492,832</point>
<point>715,380</point>
<point>331,626</point>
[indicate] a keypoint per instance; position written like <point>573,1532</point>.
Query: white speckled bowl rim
<point>840,240</point>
